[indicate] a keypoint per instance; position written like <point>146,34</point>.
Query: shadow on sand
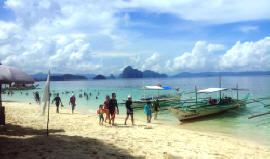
<point>23,142</point>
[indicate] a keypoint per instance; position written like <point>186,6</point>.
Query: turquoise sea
<point>233,122</point>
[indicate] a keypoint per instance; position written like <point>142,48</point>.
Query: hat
<point>129,96</point>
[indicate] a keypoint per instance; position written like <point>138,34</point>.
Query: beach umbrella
<point>12,74</point>
<point>9,75</point>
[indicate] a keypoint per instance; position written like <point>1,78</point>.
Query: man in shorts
<point>112,105</point>
<point>57,101</point>
<point>129,110</point>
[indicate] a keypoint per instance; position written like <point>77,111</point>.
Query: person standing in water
<point>112,105</point>
<point>57,101</point>
<point>37,98</point>
<point>148,111</point>
<point>106,108</point>
<point>129,110</point>
<point>156,107</point>
<point>72,101</point>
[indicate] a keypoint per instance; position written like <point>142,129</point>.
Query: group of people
<point>110,108</point>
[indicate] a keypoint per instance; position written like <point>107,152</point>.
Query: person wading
<point>72,101</point>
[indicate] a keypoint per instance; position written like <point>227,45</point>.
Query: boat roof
<point>153,87</point>
<point>210,90</point>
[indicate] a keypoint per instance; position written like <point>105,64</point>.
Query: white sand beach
<point>80,136</point>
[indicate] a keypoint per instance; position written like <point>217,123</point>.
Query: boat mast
<point>143,90</point>
<point>196,93</point>
<point>219,87</point>
<point>237,90</point>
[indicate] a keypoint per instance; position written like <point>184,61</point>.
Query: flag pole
<point>48,119</point>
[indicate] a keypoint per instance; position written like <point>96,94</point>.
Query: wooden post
<point>2,109</point>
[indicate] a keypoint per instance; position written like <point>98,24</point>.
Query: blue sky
<point>103,37</point>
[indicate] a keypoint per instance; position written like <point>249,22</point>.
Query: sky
<point>105,36</point>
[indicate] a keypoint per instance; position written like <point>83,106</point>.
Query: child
<point>148,111</point>
<point>100,113</point>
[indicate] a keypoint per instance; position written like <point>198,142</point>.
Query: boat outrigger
<point>192,109</point>
<point>165,100</point>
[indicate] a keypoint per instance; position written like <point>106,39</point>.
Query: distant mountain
<point>99,77</point>
<point>68,77</point>
<point>55,77</point>
<point>111,77</point>
<point>129,72</point>
<point>42,76</point>
<point>152,74</point>
<point>211,74</point>
<point>89,76</point>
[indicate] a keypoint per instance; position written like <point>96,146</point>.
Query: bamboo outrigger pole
<point>257,115</point>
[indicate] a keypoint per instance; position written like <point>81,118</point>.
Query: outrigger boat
<point>165,100</point>
<point>189,110</point>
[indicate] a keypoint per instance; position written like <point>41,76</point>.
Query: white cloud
<point>152,63</point>
<point>248,28</point>
<point>75,36</point>
<point>113,54</point>
<point>212,11</point>
<point>247,56</point>
<point>201,58</point>
<point>57,34</point>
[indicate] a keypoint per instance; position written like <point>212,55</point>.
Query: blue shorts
<point>101,117</point>
<point>149,113</point>
<point>73,106</point>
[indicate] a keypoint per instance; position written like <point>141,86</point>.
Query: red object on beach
<point>158,85</point>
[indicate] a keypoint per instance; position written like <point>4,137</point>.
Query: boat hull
<point>186,114</point>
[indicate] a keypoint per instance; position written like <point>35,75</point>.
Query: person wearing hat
<point>129,109</point>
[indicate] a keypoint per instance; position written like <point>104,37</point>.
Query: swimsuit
<point>147,110</point>
<point>129,107</point>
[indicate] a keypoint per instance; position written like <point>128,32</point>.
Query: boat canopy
<point>167,88</point>
<point>210,90</point>
<point>153,88</point>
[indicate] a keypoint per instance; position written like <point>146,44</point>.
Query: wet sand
<point>80,136</point>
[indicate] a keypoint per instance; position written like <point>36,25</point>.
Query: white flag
<point>46,94</point>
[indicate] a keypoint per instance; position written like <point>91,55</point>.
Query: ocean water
<point>233,122</point>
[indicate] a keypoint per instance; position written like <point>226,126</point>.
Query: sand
<point>80,136</point>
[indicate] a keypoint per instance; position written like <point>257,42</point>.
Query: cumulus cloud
<point>247,56</point>
<point>76,36</point>
<point>201,58</point>
<point>153,63</point>
<point>57,34</point>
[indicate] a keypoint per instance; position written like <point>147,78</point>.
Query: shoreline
<point>77,134</point>
<point>141,118</point>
